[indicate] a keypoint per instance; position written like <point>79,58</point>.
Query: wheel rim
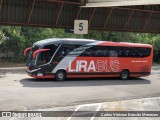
<point>124,75</point>
<point>60,76</point>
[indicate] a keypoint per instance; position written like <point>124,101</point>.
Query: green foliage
<point>16,39</point>
<point>111,36</point>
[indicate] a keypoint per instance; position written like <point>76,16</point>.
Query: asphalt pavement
<point>18,91</point>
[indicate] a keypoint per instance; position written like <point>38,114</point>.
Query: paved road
<point>20,92</point>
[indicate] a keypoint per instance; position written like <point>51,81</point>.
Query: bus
<point>62,58</point>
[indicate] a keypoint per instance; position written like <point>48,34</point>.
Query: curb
<point>13,68</point>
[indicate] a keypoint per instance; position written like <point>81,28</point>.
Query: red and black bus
<point>82,58</point>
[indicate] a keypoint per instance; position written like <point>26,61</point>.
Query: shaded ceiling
<point>62,13</point>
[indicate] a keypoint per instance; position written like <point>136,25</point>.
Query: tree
<point>16,39</point>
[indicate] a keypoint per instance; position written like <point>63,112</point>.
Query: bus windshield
<point>31,60</point>
<point>45,57</point>
<point>42,57</point>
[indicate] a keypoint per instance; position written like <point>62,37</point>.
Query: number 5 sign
<point>80,26</point>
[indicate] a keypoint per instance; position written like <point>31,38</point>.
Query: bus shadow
<point>31,82</point>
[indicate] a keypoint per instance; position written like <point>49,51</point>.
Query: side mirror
<point>26,50</point>
<point>38,51</point>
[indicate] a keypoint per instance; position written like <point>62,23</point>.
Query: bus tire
<point>124,75</point>
<point>60,75</point>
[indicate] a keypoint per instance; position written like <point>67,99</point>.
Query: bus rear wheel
<point>124,75</point>
<point>60,75</point>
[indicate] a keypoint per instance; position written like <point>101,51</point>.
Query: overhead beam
<point>122,16</point>
<point>90,20</point>
<point>128,30</point>
<point>30,13</point>
<point>62,1</point>
<point>1,2</point>
<point>34,25</point>
<point>59,13</point>
<point>44,25</point>
<point>78,12</point>
<point>108,18</point>
<point>129,19</point>
<point>147,21</point>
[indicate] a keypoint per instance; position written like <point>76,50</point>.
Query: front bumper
<point>36,74</point>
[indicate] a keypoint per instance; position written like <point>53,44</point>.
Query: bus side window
<point>144,52</point>
<point>138,52</point>
<point>67,50</point>
<point>147,52</point>
<point>95,51</point>
<point>106,52</point>
<point>132,52</point>
<point>62,53</point>
<point>127,52</point>
<point>87,52</point>
<point>100,51</point>
<point>113,51</point>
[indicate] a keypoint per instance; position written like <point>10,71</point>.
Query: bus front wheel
<point>124,75</point>
<point>60,75</point>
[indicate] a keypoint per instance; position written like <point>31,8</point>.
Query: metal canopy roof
<point>111,3</point>
<point>62,13</point>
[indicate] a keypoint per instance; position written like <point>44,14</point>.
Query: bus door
<point>44,58</point>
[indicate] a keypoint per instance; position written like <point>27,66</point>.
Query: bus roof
<point>87,41</point>
<point>125,44</point>
<point>64,41</point>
